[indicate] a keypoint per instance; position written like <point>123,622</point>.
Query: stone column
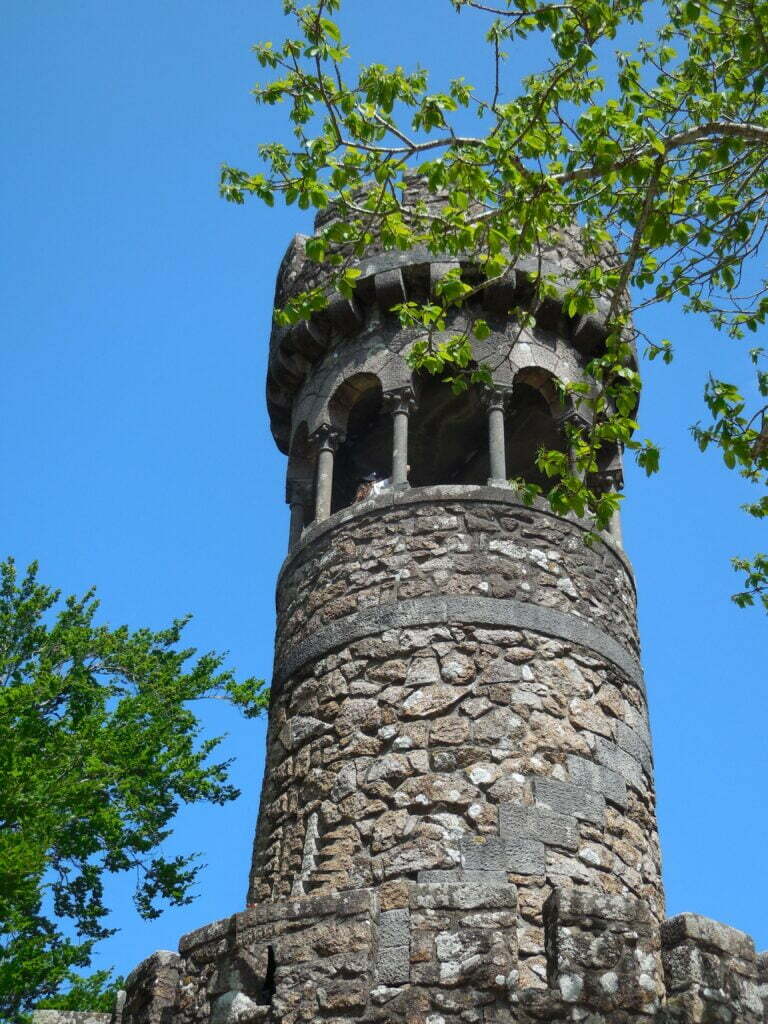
<point>576,419</point>
<point>495,399</point>
<point>327,440</point>
<point>298,497</point>
<point>401,403</point>
<point>611,478</point>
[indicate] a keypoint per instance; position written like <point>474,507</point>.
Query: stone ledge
<point>703,931</point>
<point>440,494</point>
<point>479,611</point>
<point>70,1017</point>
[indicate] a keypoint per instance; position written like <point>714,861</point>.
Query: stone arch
<point>348,396</point>
<point>371,356</point>
<point>533,421</point>
<point>356,411</point>
<point>543,381</point>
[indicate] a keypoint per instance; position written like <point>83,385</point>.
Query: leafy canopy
<point>658,150</point>
<point>99,746</point>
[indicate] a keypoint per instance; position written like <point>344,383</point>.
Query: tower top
<point>390,277</point>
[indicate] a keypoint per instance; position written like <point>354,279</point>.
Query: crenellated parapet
<point>450,951</point>
<point>711,973</point>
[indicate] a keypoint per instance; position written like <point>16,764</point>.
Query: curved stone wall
<point>457,696</point>
<point>450,541</point>
<point>458,752</point>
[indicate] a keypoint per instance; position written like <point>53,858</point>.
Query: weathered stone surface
<point>431,700</point>
<point>393,965</point>
<point>70,1017</point>
<point>569,799</point>
<point>518,821</point>
<point>394,928</point>
<point>711,972</point>
<point>517,855</point>
<point>599,778</point>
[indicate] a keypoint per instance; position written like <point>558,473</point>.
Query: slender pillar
<point>495,399</point>
<point>327,440</point>
<point>298,497</point>
<point>577,420</point>
<point>401,403</point>
<point>611,478</point>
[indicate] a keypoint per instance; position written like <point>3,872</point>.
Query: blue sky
<point>134,443</point>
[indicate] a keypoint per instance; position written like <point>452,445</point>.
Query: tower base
<point>447,953</point>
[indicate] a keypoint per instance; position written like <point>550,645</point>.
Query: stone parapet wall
<point>711,972</point>
<point>70,1017</point>
<point>452,541</point>
<point>448,953</point>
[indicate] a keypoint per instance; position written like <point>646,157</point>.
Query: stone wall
<point>452,541</point>
<point>711,973</point>
<point>447,953</point>
<point>70,1017</point>
<point>456,752</point>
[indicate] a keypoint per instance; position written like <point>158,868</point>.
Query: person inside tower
<point>371,485</point>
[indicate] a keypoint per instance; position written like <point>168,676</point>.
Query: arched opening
<point>269,986</point>
<point>356,410</point>
<point>448,441</point>
<point>530,424</point>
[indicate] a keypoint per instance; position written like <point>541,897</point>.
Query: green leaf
<point>100,746</point>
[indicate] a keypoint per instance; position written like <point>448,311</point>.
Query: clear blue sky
<point>134,445</point>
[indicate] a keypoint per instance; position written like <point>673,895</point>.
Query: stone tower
<point>457,820</point>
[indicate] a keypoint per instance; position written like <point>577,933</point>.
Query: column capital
<point>573,416</point>
<point>610,479</point>
<point>327,438</point>
<point>496,396</point>
<point>401,400</point>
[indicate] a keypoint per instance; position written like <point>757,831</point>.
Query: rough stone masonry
<point>457,819</point>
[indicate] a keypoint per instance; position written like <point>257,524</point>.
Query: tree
<point>98,748</point>
<point>659,152</point>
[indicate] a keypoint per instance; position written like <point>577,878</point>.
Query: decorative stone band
<point>470,493</point>
<point>484,611</point>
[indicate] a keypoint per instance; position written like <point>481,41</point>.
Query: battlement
<point>444,953</point>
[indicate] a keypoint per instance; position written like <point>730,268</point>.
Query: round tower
<point>457,820</point>
<point>457,694</point>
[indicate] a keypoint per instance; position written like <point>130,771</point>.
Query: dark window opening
<point>448,438</point>
<point>367,448</point>
<point>528,426</point>
<point>268,988</point>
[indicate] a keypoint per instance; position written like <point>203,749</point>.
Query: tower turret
<point>457,820</point>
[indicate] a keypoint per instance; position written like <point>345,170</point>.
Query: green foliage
<point>659,151</point>
<point>97,993</point>
<point>755,582</point>
<point>99,746</point>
